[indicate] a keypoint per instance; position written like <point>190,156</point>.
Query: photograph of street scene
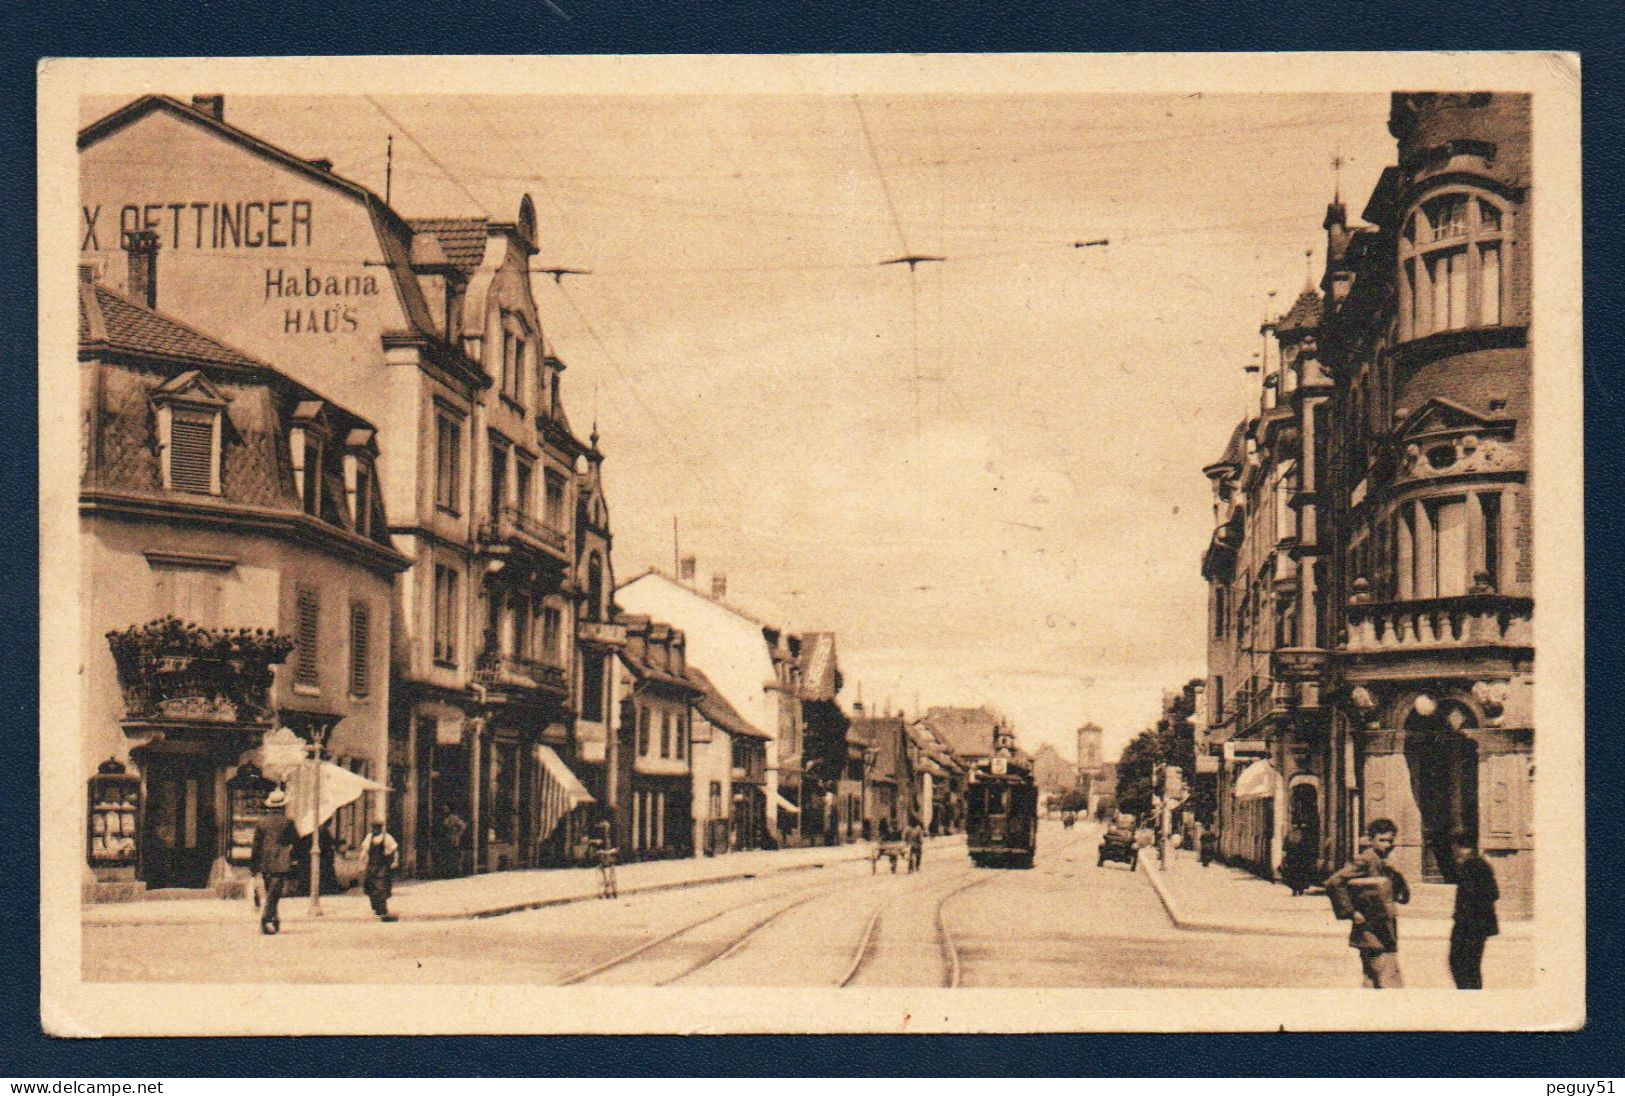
<point>807,540</point>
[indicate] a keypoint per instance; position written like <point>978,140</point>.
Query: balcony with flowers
<point>175,673</point>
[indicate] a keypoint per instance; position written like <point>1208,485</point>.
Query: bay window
<point>1453,253</point>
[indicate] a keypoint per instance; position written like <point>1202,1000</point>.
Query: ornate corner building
<point>1370,574</point>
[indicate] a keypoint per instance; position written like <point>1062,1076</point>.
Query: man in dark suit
<point>272,857</point>
<point>1475,920</point>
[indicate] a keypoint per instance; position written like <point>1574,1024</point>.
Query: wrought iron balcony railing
<point>514,525</point>
<point>496,671</point>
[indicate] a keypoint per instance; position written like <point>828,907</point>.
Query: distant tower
<point>1088,747</point>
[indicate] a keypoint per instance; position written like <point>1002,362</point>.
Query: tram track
<point>734,944</point>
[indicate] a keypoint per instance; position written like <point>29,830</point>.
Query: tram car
<point>1001,814</point>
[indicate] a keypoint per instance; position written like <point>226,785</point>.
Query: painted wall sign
<point>207,225</point>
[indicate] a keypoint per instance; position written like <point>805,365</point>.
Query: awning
<point>339,788</point>
<point>574,790</point>
<point>1257,781</point>
<point>785,805</point>
<point>560,792</point>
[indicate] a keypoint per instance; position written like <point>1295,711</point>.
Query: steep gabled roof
<point>112,321</point>
<point>718,712</point>
<point>393,232</point>
<point>968,732</point>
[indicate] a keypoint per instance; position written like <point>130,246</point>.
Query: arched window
<point>1454,256</point>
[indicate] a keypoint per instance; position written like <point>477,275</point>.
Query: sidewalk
<point>1222,899</point>
<point>489,895</point>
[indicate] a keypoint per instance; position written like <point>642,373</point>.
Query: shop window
<point>307,630</point>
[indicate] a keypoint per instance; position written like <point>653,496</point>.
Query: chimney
<point>143,249</point>
<point>719,586</point>
<point>686,568</point>
<point>87,272</point>
<point>212,105</point>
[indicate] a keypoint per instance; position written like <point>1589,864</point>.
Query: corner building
<point>429,330</point>
<point>1425,334</point>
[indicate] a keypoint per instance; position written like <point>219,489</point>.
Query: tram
<point>1001,814</point>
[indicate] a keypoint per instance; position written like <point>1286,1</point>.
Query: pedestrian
<point>450,833</point>
<point>602,848</point>
<point>1208,845</point>
<point>382,856</point>
<point>272,857</point>
<point>915,836</point>
<point>1475,920</point>
<point>1298,856</point>
<point>1365,891</point>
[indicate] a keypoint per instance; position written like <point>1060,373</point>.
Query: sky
<point>984,474</point>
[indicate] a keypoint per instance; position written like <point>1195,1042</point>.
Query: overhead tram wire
<point>433,159</point>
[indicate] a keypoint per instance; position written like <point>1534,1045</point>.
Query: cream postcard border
<point>72,1007</point>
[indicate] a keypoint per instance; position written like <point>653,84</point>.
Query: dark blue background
<point>29,31</point>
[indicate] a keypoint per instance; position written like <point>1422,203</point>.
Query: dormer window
<point>1454,253</point>
<point>191,433</point>
<point>361,481</point>
<point>306,442</point>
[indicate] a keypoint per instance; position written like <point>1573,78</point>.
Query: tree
<point>1171,742</point>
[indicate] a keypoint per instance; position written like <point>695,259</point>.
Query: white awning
<point>574,791</point>
<point>786,805</point>
<point>1257,781</point>
<point>339,788</point>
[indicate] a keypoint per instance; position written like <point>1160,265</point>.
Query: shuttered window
<point>360,649</point>
<point>307,664</point>
<point>191,452</point>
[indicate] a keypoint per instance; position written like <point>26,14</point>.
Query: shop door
<point>181,838</point>
<point>1445,772</point>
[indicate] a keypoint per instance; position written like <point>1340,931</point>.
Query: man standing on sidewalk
<point>1475,920</point>
<point>1365,891</point>
<point>382,856</point>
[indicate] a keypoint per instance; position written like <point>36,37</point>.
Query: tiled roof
<point>968,732</point>
<point>716,709</point>
<point>1304,313</point>
<point>1235,451</point>
<point>113,320</point>
<point>461,238</point>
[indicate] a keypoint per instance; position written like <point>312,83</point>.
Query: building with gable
<point>235,529</point>
<point>430,329</point>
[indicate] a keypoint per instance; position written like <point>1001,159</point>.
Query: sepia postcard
<point>808,544</point>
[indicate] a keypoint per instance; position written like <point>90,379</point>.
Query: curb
<point>500,910</point>
<point>1431,929</point>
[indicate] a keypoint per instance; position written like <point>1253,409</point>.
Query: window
<point>311,489</point>
<point>681,743</point>
<point>514,348</point>
<point>445,614</point>
<point>1431,553</point>
<point>1221,610</point>
<point>643,732</point>
<point>555,501</point>
<point>1451,259</point>
<point>363,498</point>
<point>595,587</point>
<point>552,625</point>
<point>592,688</point>
<point>1216,709</point>
<point>521,629</point>
<point>499,476</point>
<point>307,629</point>
<point>522,472</point>
<point>191,451</point>
<point>448,462</point>
<point>360,650</point>
<point>665,734</point>
<point>1490,507</point>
